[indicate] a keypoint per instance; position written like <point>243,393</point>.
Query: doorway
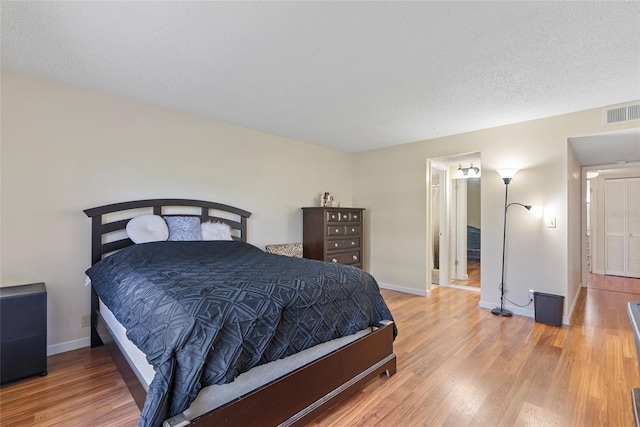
<point>622,228</point>
<point>601,155</point>
<point>612,243</point>
<point>438,224</point>
<point>453,224</point>
<point>466,265</point>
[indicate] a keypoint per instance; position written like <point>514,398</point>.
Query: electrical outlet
<point>530,294</point>
<point>85,320</point>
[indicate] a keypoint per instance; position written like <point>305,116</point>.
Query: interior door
<point>622,227</point>
<point>632,260</point>
<point>459,229</point>
<point>437,225</point>
<point>614,226</point>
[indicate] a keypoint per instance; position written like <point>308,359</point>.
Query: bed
<point>473,244</point>
<point>305,376</point>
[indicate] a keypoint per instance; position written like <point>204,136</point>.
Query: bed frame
<point>293,399</point>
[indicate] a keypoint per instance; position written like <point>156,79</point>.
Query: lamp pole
<point>507,175</point>
<point>501,311</point>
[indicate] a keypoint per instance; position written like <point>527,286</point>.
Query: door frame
<point>625,234</point>
<point>444,212</point>
<point>585,169</point>
<point>458,262</point>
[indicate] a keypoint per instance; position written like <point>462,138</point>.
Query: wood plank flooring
<point>473,276</point>
<point>458,365</point>
<point>83,388</point>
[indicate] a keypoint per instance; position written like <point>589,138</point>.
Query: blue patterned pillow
<point>183,227</point>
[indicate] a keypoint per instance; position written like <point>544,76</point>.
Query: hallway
<point>627,285</point>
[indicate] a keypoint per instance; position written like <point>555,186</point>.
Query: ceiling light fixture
<point>470,172</point>
<point>592,174</point>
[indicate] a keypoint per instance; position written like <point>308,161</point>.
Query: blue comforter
<point>205,312</point>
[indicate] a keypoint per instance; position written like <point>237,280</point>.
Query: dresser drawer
<point>354,217</point>
<point>352,257</point>
<point>343,230</point>
<point>333,216</point>
<point>333,245</point>
<point>342,216</point>
<point>336,230</point>
<point>352,230</point>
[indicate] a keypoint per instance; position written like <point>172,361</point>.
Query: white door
<point>437,224</point>
<point>459,229</point>
<point>622,227</point>
<point>633,227</point>
<point>614,226</point>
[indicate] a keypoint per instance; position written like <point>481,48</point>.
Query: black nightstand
<point>23,331</point>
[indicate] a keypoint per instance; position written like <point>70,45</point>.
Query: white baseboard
<point>68,346</point>
<point>517,310</point>
<point>572,307</point>
<point>406,290</point>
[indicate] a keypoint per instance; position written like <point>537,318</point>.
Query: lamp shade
<point>507,173</point>
<point>536,211</point>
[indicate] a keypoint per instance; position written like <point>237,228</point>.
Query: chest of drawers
<point>333,234</point>
<point>23,331</point>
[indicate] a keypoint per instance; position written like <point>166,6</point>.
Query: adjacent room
<point>439,200</point>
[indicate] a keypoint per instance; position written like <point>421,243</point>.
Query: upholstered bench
<point>287,249</point>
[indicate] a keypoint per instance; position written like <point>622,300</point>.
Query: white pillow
<point>215,231</point>
<point>147,228</point>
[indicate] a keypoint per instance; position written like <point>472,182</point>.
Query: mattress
<point>214,396</point>
<point>204,312</point>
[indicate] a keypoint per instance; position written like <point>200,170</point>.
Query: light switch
<point>551,222</point>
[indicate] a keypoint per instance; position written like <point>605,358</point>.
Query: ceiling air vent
<point>622,114</point>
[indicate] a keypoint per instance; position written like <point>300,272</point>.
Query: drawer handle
<point>355,258</point>
<point>337,230</point>
<point>334,260</point>
<point>353,243</point>
<point>353,230</point>
<point>355,217</point>
<point>333,217</point>
<point>335,245</point>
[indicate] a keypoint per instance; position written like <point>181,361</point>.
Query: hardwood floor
<point>473,273</point>
<point>83,388</point>
<point>613,283</point>
<point>457,365</point>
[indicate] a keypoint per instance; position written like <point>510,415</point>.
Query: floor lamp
<point>507,176</point>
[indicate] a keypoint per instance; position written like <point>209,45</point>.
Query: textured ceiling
<point>617,147</point>
<point>349,75</point>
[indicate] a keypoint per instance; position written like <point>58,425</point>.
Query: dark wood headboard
<point>109,223</point>
<point>101,225</point>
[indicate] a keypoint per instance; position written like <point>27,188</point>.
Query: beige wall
<point>574,232</point>
<point>65,149</point>
<point>473,202</point>
<point>391,184</point>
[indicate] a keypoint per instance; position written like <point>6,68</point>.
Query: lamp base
<point>502,312</point>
